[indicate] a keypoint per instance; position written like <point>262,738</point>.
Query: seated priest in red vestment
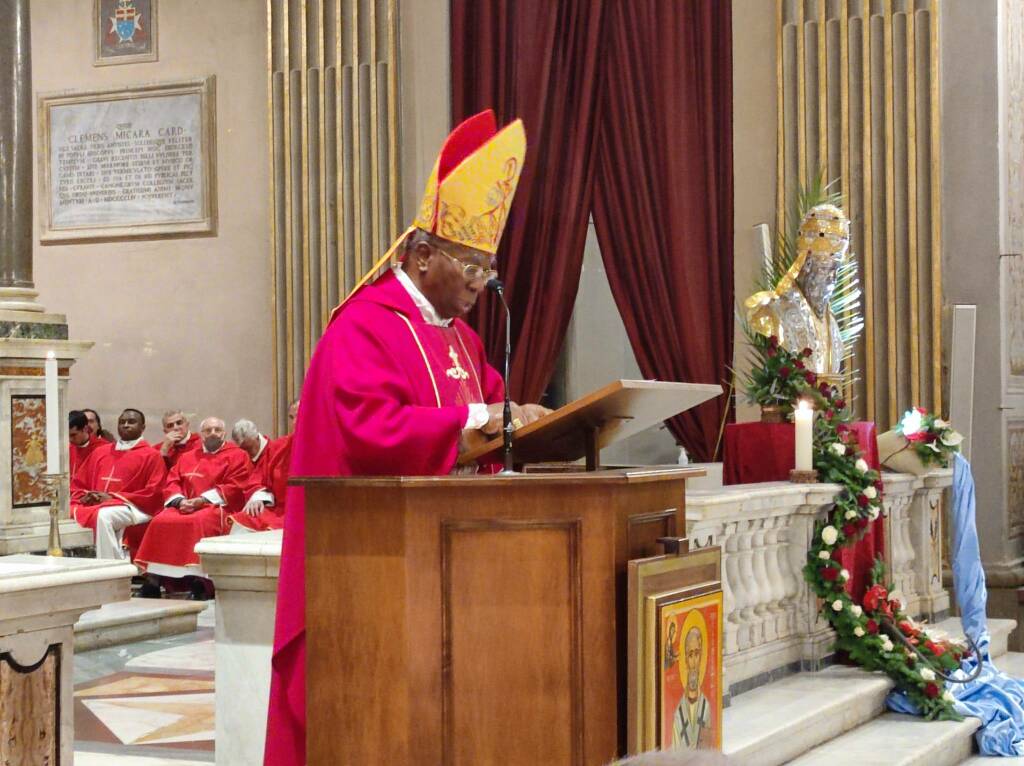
<point>205,486</point>
<point>399,382</point>
<point>265,495</point>
<point>81,441</point>
<point>178,437</point>
<point>118,486</point>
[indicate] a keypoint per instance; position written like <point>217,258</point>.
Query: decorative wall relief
<point>130,162</point>
<point>1011,138</point>
<point>124,31</point>
<point>1015,477</point>
<point>1013,299</point>
<point>28,451</point>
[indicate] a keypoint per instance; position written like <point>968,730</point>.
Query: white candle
<point>53,443</point>
<point>804,418</point>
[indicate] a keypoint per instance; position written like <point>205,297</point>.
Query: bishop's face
<point>212,432</point>
<point>452,276</point>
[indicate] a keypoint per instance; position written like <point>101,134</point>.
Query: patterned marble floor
<point>149,703</point>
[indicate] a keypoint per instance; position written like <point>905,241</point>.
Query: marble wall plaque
<point>1015,477</point>
<point>127,163</point>
<point>28,451</point>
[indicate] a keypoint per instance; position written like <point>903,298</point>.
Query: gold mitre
<point>469,191</point>
<point>824,234</point>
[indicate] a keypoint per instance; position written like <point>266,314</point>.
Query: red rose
<point>825,390</point>
<point>879,485</point>
<point>806,352</point>
<point>798,364</point>
<point>921,410</point>
<point>906,628</point>
<point>934,648</point>
<point>872,627</point>
<point>920,436</point>
<point>875,595</point>
<point>831,574</point>
<point>862,501</point>
<point>773,341</point>
<point>849,530</point>
<point>862,523</point>
<point>841,428</point>
<point>889,608</point>
<point>931,690</point>
<point>840,403</point>
<point>810,377</point>
<point>770,353</point>
<point>784,372</point>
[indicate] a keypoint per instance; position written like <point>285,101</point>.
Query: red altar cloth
<point>756,452</point>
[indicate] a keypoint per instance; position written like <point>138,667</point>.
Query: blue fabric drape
<point>994,697</point>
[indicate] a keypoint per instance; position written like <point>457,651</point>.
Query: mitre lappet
<point>798,311</point>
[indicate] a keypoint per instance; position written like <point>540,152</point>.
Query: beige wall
<point>177,322</point>
<point>753,141</point>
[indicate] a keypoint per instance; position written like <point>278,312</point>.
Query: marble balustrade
<point>771,623</point>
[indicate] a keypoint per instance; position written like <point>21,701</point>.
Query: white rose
<point>824,555</point>
<point>858,632</point>
<point>837,605</point>
<point>948,696</point>
<point>862,465</point>
<point>886,644</point>
<point>952,438</point>
<point>911,423</point>
<point>839,448</point>
<point>927,674</point>
<point>830,534</point>
<point>850,515</point>
<point>870,492</point>
<point>873,513</point>
<point>845,574</point>
<point>856,611</point>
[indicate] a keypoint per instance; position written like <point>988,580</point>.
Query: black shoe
<point>198,591</point>
<point>149,590</point>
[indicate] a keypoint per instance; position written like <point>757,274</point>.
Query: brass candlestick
<point>55,485</point>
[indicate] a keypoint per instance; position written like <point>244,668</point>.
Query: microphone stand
<point>496,286</point>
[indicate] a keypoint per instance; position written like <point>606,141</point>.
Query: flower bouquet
<point>920,442</point>
<point>778,376</point>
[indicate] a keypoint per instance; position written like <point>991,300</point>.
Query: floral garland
<point>933,440</point>
<point>876,633</point>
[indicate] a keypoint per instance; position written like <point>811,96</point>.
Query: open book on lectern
<point>581,429</point>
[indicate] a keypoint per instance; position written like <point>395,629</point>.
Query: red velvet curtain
<point>627,106</point>
<point>538,60</point>
<point>663,195</point>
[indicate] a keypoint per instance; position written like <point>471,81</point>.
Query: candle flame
<point>803,405</point>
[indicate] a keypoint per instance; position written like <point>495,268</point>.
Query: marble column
<point>17,290</point>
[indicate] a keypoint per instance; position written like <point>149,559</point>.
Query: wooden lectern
<point>477,620</point>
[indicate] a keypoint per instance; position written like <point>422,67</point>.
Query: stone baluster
<point>790,579</point>
<point>749,635</point>
<point>762,608</point>
<point>926,538</point>
<point>776,609</point>
<point>733,592</point>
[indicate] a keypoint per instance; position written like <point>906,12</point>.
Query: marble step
<point>780,721</point>
<point>136,619</point>
<point>893,739</point>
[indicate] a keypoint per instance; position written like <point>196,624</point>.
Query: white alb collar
<point>263,445</point>
<point>125,446</point>
<point>430,315</point>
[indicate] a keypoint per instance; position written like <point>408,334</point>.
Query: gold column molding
<point>333,110</point>
<point>873,121</point>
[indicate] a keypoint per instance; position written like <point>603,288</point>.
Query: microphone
<point>496,286</point>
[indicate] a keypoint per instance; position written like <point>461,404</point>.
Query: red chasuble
<point>270,475</point>
<point>171,536</point>
<point>78,455</point>
<point>135,476</point>
<point>191,443</point>
<point>386,394</point>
